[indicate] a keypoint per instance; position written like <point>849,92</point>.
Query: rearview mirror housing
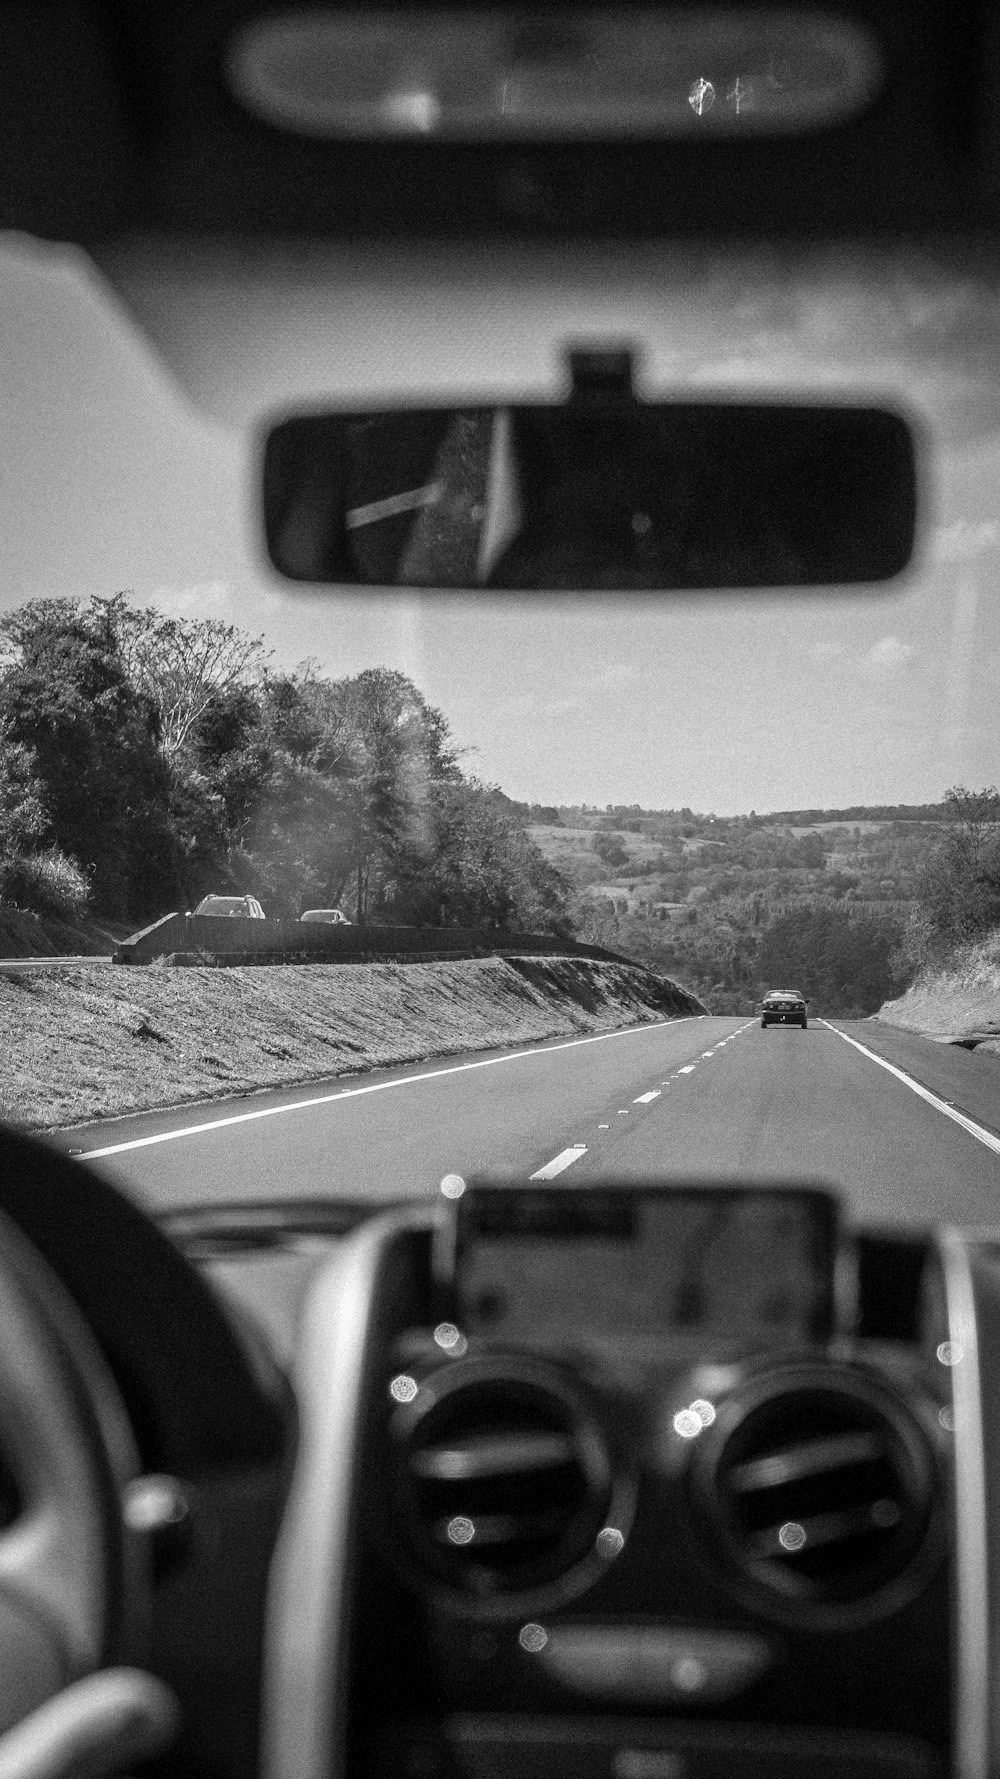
<point>603,491</point>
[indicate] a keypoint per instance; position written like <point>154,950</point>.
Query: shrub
<point>44,883</point>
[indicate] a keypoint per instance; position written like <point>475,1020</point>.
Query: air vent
<point>503,1480</point>
<point>818,1484</point>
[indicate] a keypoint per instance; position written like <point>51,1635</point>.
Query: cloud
<point>202,599</point>
<point>887,657</point>
<point>965,539</point>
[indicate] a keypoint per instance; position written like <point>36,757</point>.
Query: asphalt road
<point>706,1098</point>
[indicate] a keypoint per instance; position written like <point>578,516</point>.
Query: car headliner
<point>122,122</point>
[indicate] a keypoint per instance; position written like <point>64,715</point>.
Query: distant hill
<point>730,904</point>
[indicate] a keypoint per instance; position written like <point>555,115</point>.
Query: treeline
<point>146,761</point>
<point>848,916</point>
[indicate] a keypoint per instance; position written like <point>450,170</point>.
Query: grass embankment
<point>960,1000</point>
<point>42,935</point>
<point>97,1042</point>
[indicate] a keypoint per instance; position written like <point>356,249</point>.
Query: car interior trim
<point>307,1632</point>
<point>972,1624</point>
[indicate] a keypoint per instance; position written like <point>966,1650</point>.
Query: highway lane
<point>711,1098</point>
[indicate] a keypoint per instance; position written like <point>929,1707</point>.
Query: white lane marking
<point>688,1069</point>
<point>350,1093</point>
<point>940,1105</point>
<point>706,1054</point>
<point>643,1099</point>
<point>565,1158</point>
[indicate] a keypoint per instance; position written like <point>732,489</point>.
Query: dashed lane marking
<point>643,1099</point>
<point>564,1159</point>
<point>688,1069</point>
<point>349,1093</point>
<point>975,1130</point>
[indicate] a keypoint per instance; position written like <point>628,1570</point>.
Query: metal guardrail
<point>290,941</point>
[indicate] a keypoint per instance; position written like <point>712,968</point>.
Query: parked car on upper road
<point>231,907</point>
<point>783,1006</point>
<point>334,917</point>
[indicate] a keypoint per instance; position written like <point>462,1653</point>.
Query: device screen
<point>539,1262</point>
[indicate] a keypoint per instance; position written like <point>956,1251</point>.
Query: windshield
<point>539,821</point>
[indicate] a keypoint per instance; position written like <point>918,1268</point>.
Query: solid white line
<point>564,1159</point>
<point>349,1093</point>
<point>974,1130</point>
<point>644,1098</point>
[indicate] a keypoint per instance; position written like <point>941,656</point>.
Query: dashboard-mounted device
<point>527,1264</point>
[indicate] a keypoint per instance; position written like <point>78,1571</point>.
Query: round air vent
<point>502,1483</point>
<point>818,1485</point>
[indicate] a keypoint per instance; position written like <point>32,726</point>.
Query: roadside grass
<point>100,1041</point>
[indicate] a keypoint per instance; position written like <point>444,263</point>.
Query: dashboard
<point>586,1543</point>
<point>740,1524</point>
<point>701,1530</point>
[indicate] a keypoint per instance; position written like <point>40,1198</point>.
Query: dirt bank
<point>960,1002</point>
<point>98,1041</point>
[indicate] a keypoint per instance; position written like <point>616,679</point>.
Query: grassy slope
<point>963,998</point>
<point>35,935</point>
<point>98,1041</point>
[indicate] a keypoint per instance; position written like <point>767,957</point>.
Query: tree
<point>183,666</point>
<point>482,868</point>
<point>99,791</point>
<point>959,885</point>
<point>846,963</point>
<point>610,850</point>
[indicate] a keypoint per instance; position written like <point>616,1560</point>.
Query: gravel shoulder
<point>98,1041</point>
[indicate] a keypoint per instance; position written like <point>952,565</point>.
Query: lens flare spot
<point>689,1674</point>
<point>403,1388</point>
<point>453,1186</point>
<point>532,1638</point>
<point>687,1423</point>
<point>461,1530</point>
<point>792,1536</point>
<point>610,1542</point>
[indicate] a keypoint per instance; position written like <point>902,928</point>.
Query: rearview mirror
<point>604,491</point>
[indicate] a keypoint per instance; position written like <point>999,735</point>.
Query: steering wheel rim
<point>74,1580</point>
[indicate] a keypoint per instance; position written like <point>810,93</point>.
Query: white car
<point>230,908</point>
<point>334,917</point>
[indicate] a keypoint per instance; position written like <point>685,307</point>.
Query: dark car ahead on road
<point>783,1006</point>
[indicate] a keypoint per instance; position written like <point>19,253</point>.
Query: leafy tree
<point>959,885</point>
<point>609,849</point>
<point>483,869</point>
<point>66,702</point>
<point>183,666</point>
<point>844,962</point>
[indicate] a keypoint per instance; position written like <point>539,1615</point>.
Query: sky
<point>129,439</point>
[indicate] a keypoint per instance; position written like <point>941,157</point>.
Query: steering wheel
<point>74,1582</point>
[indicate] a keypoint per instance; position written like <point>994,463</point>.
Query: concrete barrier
<point>228,941</point>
